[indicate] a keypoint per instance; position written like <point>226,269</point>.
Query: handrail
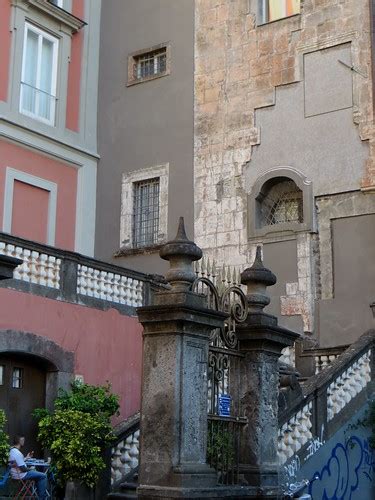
<point>125,451</point>
<point>74,277</point>
<point>338,390</point>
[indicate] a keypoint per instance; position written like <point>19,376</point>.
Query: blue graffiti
<point>341,475</point>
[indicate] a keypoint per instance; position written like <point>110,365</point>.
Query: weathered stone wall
<point>284,68</point>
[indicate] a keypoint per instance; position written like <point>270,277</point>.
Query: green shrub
<point>4,440</point>
<point>78,431</point>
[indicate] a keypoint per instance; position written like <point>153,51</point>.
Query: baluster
<point>43,258</point>
<point>116,290</point>
<point>96,283</point>
<point>20,271</point>
<point>26,276</point>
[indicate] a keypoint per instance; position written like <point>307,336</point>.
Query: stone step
<point>123,496</point>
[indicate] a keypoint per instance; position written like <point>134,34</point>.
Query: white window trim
<point>127,208</point>
<point>16,175</point>
<point>55,41</point>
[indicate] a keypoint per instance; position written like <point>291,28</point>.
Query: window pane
<point>146,212</point>
<point>45,85</point>
<point>30,69</point>
<point>1,375</point>
<point>152,63</point>
<point>17,379</point>
<point>39,75</point>
<point>278,9</point>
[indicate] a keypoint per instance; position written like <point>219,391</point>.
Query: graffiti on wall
<point>350,465</point>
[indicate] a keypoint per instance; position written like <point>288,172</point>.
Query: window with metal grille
<point>150,64</point>
<point>282,203</point>
<point>146,212</point>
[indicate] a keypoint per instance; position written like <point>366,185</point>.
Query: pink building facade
<point>64,316</point>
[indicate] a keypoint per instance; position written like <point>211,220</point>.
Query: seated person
<point>19,470</point>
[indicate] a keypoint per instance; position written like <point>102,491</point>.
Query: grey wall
<point>147,124</point>
<point>281,258</point>
<point>311,127</point>
<point>345,317</point>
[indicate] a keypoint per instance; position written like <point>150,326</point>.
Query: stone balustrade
<point>38,267</point>
<point>342,387</point>
<point>347,385</point>
<point>125,457</point>
<point>295,433</point>
<point>109,286</point>
<point>65,275</point>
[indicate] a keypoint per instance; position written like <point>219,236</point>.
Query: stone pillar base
<point>260,476</point>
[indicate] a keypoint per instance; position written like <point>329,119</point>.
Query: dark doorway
<point>22,389</point>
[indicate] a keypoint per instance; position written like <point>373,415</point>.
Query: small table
<point>43,467</point>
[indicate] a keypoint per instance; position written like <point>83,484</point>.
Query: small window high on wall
<point>281,203</point>
<point>39,75</point>
<point>272,10</point>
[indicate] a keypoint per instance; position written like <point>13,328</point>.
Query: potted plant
<point>77,433</point>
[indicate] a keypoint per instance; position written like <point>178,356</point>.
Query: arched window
<point>280,201</point>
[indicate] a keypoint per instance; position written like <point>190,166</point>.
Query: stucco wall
<point>63,175</point>
<point>106,344</point>
<point>295,93</point>
<point>147,124</point>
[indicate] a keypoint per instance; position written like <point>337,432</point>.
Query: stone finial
<point>257,278</point>
<point>180,252</point>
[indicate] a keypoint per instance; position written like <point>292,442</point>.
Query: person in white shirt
<point>19,469</point>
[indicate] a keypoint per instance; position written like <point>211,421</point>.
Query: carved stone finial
<point>257,278</point>
<point>180,252</point>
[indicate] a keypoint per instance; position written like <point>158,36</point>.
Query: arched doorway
<point>32,369</point>
<point>22,389</point>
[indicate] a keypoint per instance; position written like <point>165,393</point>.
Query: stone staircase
<point>318,429</point>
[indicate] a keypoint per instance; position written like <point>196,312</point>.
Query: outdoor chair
<point>22,488</point>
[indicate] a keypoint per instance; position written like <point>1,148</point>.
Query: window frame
<point>135,56</point>
<point>20,378</point>
<point>55,41</point>
<point>138,222</point>
<point>127,208</point>
<point>263,13</point>
<point>255,230</point>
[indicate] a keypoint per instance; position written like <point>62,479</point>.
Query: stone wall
<point>295,93</point>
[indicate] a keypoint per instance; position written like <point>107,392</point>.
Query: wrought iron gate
<point>223,404</point>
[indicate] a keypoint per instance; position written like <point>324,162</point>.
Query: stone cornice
<point>73,22</point>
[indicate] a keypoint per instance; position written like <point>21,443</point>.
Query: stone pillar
<point>174,382</point>
<point>261,341</point>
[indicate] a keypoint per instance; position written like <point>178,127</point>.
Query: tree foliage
<point>78,431</point>
<point>4,440</point>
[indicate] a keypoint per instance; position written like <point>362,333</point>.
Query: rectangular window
<point>271,10</point>
<point>150,64</point>
<point>2,374</point>
<point>39,74</point>
<point>17,378</point>
<point>147,64</point>
<point>146,212</point>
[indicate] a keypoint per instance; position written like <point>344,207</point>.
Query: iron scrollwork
<point>230,300</point>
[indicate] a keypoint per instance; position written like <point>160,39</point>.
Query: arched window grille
<point>281,202</point>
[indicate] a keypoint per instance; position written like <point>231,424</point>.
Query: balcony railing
<point>70,276</point>
<point>38,103</point>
